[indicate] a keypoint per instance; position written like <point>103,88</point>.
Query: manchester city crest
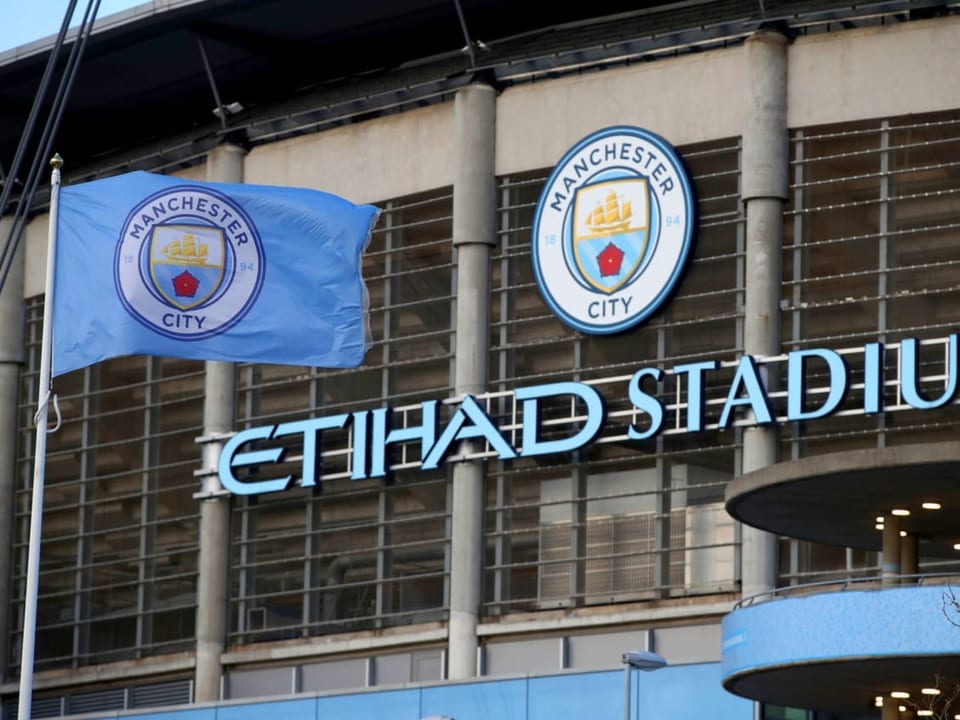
<point>189,263</point>
<point>613,229</point>
<point>186,263</point>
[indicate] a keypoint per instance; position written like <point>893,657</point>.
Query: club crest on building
<point>612,230</point>
<point>189,263</point>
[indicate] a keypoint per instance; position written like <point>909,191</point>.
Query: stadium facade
<point>782,530</point>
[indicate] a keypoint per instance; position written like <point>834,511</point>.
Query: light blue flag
<point>155,265</point>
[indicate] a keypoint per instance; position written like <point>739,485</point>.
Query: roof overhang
<point>836,498</point>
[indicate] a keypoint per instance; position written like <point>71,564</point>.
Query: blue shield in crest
<point>186,263</point>
<point>610,231</point>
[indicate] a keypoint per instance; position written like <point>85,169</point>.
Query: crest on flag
<point>186,263</point>
<point>189,263</point>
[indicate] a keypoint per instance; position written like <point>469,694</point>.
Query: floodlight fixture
<point>646,660</point>
<point>643,660</point>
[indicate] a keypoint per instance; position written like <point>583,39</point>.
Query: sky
<point>27,20</point>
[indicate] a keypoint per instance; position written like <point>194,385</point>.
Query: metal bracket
<point>211,494</point>
<point>221,111</point>
<point>206,472</point>
<point>214,437</point>
<point>466,36</point>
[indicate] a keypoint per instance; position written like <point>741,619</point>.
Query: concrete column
<point>224,164</point>
<point>474,233</point>
<point>890,564</point>
<point>891,709</point>
<point>909,557</point>
<point>763,189</point>
<point>11,356</point>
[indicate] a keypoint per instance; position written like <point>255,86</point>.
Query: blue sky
<point>27,20</point>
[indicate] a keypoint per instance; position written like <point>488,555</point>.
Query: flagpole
<point>28,640</point>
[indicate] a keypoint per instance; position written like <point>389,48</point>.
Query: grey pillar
<point>909,556</point>
<point>11,356</point>
<point>764,189</point>
<point>890,564</point>
<point>224,164</point>
<point>891,709</point>
<point>474,233</point>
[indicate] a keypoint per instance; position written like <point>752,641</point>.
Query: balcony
<point>837,646</point>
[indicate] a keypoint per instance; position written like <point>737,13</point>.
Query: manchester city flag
<point>154,265</point>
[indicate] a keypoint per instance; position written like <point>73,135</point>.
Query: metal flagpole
<point>28,640</point>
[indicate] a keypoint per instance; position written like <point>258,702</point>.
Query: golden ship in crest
<point>613,216</point>
<point>186,251</point>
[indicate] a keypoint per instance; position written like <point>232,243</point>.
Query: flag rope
<point>56,408</point>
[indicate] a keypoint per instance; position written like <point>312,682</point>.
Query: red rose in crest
<point>610,260</point>
<point>185,284</point>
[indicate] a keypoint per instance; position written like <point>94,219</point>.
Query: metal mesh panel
<point>362,554</point>
<point>39,708</point>
<point>619,555</point>
<point>870,253</point>
<point>97,701</point>
<point>610,523</point>
<point>175,692</point>
<point>118,569</point>
<point>172,692</point>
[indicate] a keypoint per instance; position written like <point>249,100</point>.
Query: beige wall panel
<point>367,162</point>
<point>688,99</point>
<point>875,72</point>
<point>194,172</point>
<point>35,237</point>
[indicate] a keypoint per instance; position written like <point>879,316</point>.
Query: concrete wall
<point>875,72</point>
<point>376,160</point>
<point>688,99</point>
<point>35,244</point>
<point>598,650</point>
